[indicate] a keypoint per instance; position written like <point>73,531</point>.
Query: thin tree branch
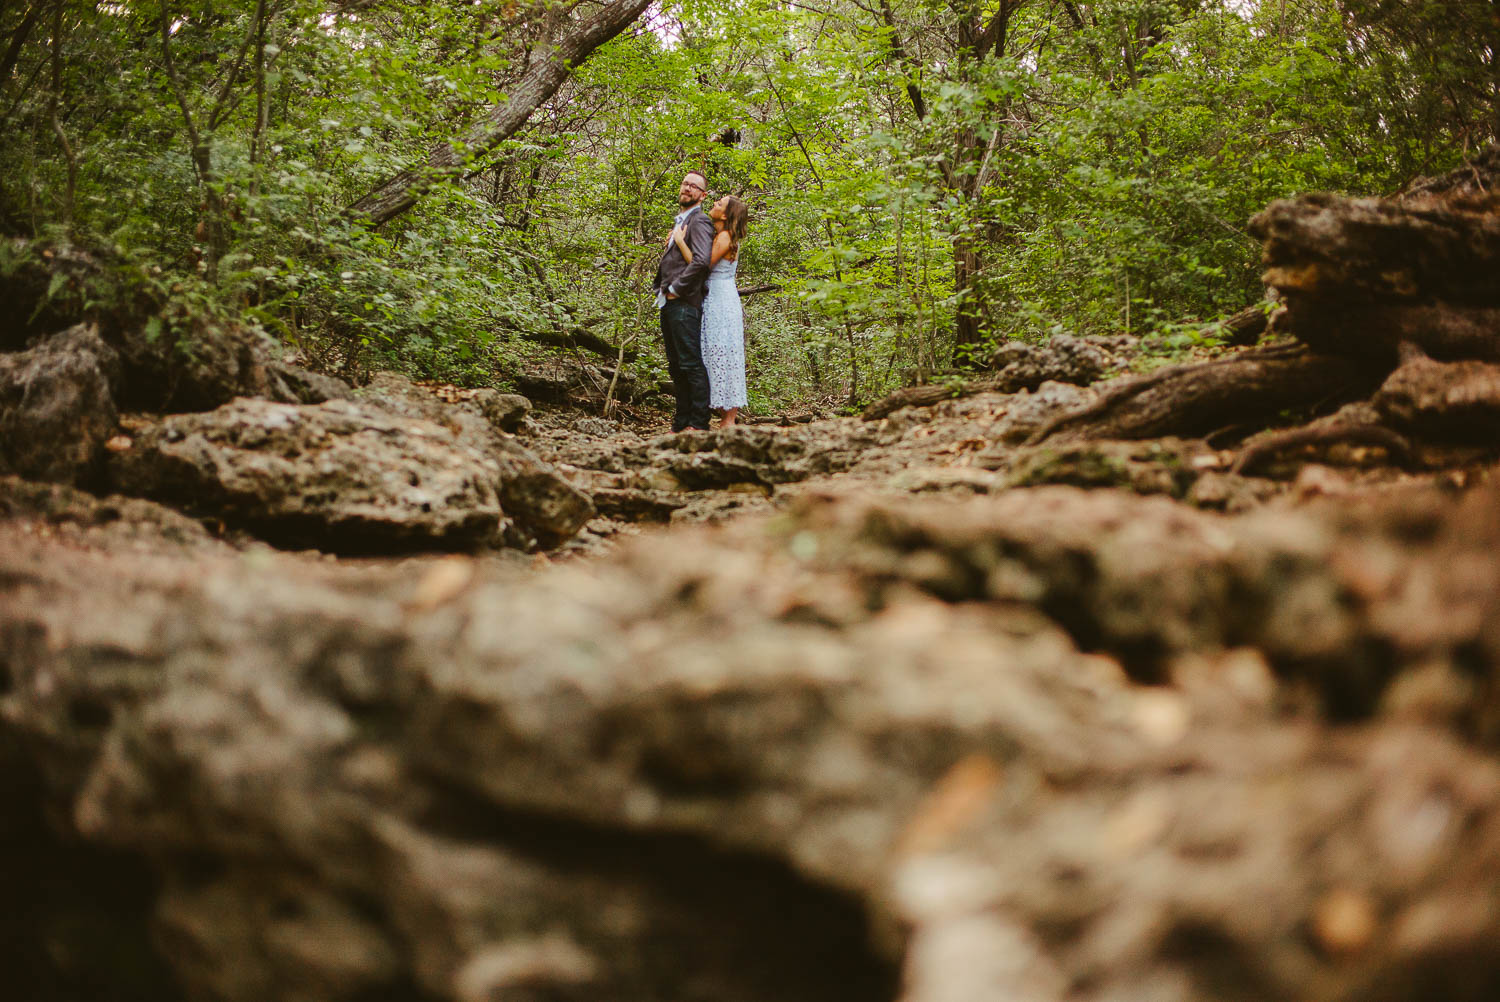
<point>175,82</point>
<point>796,136</point>
<point>57,126</point>
<point>214,118</point>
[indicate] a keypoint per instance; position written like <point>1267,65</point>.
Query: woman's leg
<point>729,414</point>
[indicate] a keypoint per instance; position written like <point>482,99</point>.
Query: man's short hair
<point>701,176</point>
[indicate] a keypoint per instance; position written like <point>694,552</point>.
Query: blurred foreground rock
<point>1053,745</point>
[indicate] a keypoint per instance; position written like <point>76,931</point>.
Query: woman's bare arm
<point>687,252</point>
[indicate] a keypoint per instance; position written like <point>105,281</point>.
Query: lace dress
<point>724,338</point>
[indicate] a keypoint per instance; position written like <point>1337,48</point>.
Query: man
<point>680,286</point>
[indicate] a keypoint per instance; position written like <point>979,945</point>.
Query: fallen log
<point>1372,288</point>
<point>1361,327</point>
<point>1330,247</point>
<point>1479,178</point>
<point>1361,277</point>
<point>1253,387</point>
<point>1243,328</point>
<point>926,396</point>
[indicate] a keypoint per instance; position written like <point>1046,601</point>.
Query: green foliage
<point>1091,170</point>
<point>114,286</point>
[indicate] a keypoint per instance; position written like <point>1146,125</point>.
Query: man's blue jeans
<point>682,334</point>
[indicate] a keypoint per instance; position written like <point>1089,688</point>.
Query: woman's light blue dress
<point>724,338</point>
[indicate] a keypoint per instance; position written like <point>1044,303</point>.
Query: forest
<point>1096,600</point>
<point>459,190</point>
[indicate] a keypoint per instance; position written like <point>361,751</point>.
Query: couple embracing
<point>701,321</point>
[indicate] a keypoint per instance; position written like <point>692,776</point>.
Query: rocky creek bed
<point>1067,683</point>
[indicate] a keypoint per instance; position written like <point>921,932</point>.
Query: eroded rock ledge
<point>876,750</point>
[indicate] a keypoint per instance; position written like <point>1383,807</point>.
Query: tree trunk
<point>1361,277</point>
<point>968,338</point>
<point>18,38</point>
<point>448,162</point>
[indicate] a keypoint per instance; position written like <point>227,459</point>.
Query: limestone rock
<point>635,479</point>
<point>1064,359</point>
<point>196,368</point>
<point>170,359</point>
<point>57,407</point>
<point>292,384</point>
<point>1220,491</point>
<point>629,504</point>
<point>877,751</point>
<point>1029,411</point>
<point>340,475</point>
<point>506,411</point>
<point>133,523</point>
<point>544,507</point>
<point>718,458</point>
<point>44,288</point>
<point>540,500</point>
<point>1155,466</point>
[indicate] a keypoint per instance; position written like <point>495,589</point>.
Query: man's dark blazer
<point>688,282</point>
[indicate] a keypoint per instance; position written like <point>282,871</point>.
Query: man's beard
<point>687,201</point>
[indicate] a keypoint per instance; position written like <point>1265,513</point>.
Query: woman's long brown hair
<point>736,222</point>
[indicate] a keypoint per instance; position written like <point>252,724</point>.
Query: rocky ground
<point>1068,682</point>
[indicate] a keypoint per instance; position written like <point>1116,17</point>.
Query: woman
<point>723,320</point>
